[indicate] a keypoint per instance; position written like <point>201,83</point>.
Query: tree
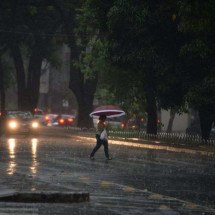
<point>102,23</point>
<point>87,60</point>
<point>2,88</point>
<point>198,24</point>
<point>160,52</point>
<point>83,89</point>
<point>144,41</point>
<point>31,25</point>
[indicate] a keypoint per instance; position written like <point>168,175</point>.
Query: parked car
<point>18,122</point>
<point>64,120</point>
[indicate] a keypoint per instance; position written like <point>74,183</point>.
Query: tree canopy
<point>148,54</point>
<point>160,52</point>
<point>31,30</point>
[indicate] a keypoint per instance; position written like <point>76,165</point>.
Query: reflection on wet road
<point>12,162</point>
<point>139,180</point>
<point>12,154</point>
<point>34,157</point>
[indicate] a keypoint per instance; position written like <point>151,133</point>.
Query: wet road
<point>138,180</point>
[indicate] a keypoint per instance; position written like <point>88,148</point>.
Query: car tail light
<point>47,118</point>
<point>70,119</point>
<point>61,121</point>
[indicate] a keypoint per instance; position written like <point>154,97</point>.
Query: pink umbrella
<point>109,110</point>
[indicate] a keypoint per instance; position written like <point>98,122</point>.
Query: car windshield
<point>20,114</point>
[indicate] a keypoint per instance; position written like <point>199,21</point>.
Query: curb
<point>46,197</point>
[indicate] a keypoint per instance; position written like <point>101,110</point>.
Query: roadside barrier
<point>171,138</point>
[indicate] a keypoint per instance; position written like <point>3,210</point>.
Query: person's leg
<point>98,145</point>
<point>105,144</point>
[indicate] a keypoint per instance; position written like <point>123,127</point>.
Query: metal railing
<point>171,138</point>
<point>139,135</point>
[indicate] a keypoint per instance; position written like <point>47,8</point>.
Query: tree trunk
<point>171,119</point>
<point>34,73</point>
<point>2,96</point>
<point>20,73</point>
<point>152,116</point>
<point>2,89</point>
<point>84,91</point>
<point>151,105</point>
<point>28,94</point>
<point>206,116</point>
<point>87,104</point>
<point>151,109</point>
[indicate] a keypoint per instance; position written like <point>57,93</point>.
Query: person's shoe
<point>92,158</point>
<point>109,158</point>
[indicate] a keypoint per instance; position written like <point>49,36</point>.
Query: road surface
<point>139,180</point>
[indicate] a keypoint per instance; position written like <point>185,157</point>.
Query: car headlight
<point>35,125</point>
<point>13,124</point>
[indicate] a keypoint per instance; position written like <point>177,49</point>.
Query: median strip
<point>46,197</point>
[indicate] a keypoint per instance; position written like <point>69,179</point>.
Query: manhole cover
<point>45,197</point>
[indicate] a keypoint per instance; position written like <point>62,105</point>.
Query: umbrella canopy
<point>109,110</point>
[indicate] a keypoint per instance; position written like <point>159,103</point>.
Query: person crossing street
<point>101,138</point>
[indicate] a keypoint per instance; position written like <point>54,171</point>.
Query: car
<point>113,122</point>
<point>64,120</point>
<point>39,114</point>
<point>20,122</point>
<point>50,119</point>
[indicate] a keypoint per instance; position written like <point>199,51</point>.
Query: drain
<point>45,197</point>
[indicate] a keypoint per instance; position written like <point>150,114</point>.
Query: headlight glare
<point>35,125</point>
<point>13,124</point>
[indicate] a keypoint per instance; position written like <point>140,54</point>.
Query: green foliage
<point>33,10</point>
<point>196,16</point>
<point>92,60</point>
<point>197,22</point>
<point>131,51</point>
<point>197,48</point>
<point>203,93</point>
<point>105,95</point>
<point>160,49</point>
